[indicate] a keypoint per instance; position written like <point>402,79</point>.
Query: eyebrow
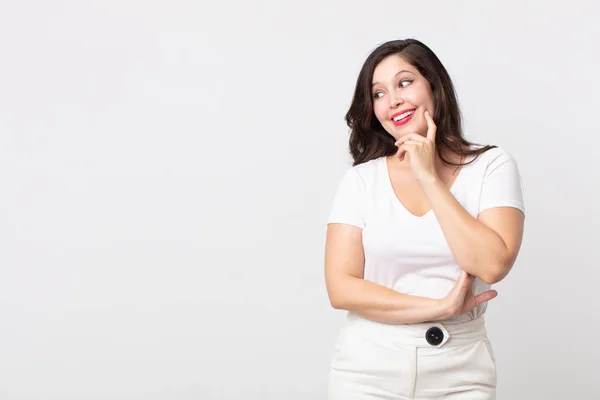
<point>397,73</point>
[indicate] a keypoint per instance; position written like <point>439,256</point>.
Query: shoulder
<point>496,156</point>
<point>366,172</point>
<point>498,153</point>
<point>362,178</point>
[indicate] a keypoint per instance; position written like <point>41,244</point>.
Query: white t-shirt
<point>408,253</point>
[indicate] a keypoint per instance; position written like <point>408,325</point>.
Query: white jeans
<point>383,361</point>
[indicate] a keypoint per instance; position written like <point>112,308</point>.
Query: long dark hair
<point>369,140</point>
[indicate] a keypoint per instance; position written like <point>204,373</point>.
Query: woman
<point>421,226</point>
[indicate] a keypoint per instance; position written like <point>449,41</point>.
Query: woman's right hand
<point>461,300</point>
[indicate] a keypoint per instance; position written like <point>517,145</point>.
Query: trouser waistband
<point>426,334</point>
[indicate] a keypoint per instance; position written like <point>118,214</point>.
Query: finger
<point>410,136</point>
<point>400,154</point>
<point>482,298</point>
<point>462,277</point>
<point>465,278</point>
<point>466,285</point>
<point>462,284</point>
<point>410,142</point>
<point>406,148</point>
<point>431,127</point>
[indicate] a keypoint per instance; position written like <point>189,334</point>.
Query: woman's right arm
<point>347,290</point>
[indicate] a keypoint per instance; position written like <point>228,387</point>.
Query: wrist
<point>429,179</point>
<point>442,309</point>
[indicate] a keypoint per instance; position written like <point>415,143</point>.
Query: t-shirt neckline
<point>396,200</point>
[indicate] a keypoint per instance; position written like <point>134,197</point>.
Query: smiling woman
<point>421,226</point>
<point>410,73</point>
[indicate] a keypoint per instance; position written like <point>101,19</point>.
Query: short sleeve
<point>348,203</point>
<point>502,184</point>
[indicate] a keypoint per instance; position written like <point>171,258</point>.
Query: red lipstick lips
<point>403,120</point>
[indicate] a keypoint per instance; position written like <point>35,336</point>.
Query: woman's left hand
<point>420,151</point>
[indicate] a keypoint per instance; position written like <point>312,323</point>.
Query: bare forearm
<point>478,249</point>
<point>381,304</point>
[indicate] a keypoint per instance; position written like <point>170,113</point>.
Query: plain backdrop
<point>166,170</point>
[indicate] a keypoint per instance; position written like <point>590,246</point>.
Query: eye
<point>377,95</point>
<point>405,83</point>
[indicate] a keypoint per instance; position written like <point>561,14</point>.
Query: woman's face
<point>401,95</point>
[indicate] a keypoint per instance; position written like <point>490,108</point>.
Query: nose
<point>395,99</point>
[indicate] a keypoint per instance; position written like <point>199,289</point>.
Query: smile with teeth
<point>402,116</point>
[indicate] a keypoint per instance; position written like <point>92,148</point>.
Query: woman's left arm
<point>486,246</point>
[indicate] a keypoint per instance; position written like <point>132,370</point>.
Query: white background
<point>166,169</point>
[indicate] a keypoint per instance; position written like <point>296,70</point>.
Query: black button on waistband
<point>434,336</point>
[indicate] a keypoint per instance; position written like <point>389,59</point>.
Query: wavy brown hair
<point>369,140</point>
